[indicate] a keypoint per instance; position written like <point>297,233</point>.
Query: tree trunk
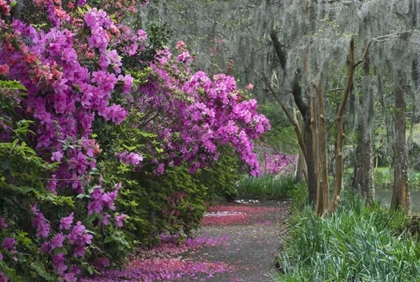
<point>305,111</point>
<point>363,180</point>
<point>401,194</point>
<point>319,136</point>
<point>310,162</point>
<point>301,172</point>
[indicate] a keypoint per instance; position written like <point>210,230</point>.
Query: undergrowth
<point>266,187</point>
<point>356,243</point>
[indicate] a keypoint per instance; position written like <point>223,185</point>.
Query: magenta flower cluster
<point>199,114</point>
<point>72,70</point>
<point>279,164</point>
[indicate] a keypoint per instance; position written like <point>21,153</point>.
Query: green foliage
<point>282,136</point>
<point>413,156</point>
<point>22,178</point>
<point>266,187</point>
<point>356,243</point>
<point>10,85</point>
<point>172,202</point>
<point>383,178</point>
<point>220,178</point>
<point>169,203</point>
<point>298,196</point>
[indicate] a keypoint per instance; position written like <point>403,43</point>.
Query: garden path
<point>253,232</point>
<point>237,243</point>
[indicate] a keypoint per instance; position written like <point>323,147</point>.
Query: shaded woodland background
<point>361,56</point>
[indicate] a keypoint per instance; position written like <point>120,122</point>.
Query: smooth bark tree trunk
<point>301,172</point>
<point>401,194</point>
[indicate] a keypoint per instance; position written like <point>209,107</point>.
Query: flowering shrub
<point>70,71</point>
<point>279,164</point>
<point>83,69</point>
<point>198,115</point>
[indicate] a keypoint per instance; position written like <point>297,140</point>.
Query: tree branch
<point>281,54</point>
<point>292,120</point>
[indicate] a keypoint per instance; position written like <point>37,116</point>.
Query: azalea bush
<point>83,70</point>
<point>220,177</point>
<point>279,164</point>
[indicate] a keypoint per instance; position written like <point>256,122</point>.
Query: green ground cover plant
<point>265,187</point>
<point>356,243</point>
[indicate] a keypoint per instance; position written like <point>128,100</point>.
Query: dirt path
<point>238,242</point>
<point>252,242</point>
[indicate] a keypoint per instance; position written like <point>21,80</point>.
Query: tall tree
<point>401,194</point>
<point>363,170</point>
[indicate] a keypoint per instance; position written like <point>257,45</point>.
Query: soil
<point>252,246</point>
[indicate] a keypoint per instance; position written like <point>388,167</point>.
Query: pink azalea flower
<point>57,241</point>
<point>8,243</point>
<point>66,222</point>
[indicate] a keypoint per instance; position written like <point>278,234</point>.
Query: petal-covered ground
<point>238,242</point>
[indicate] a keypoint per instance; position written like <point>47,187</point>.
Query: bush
<point>220,178</point>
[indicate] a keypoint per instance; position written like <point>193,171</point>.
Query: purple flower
<point>185,57</point>
<point>57,241</point>
<point>128,83</point>
<point>59,262</point>
<point>79,251</point>
<point>77,232</point>
<point>133,159</point>
<point>8,243</point>
<point>3,223</point>
<point>105,220</point>
<point>119,219</point>
<point>96,193</point>
<point>66,222</point>
<point>56,156</point>
<point>44,247</point>
<point>86,239</point>
<point>95,207</point>
<point>43,227</point>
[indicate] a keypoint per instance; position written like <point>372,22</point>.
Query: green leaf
<point>11,85</point>
<point>108,239</point>
<point>5,164</point>
<point>25,189</point>
<point>89,269</point>
<point>131,148</point>
<point>81,196</point>
<point>60,250</point>
<point>40,269</point>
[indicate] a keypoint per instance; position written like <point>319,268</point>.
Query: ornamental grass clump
<point>265,187</point>
<point>356,243</point>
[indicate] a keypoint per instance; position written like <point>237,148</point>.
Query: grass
<point>356,243</point>
<point>265,187</point>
